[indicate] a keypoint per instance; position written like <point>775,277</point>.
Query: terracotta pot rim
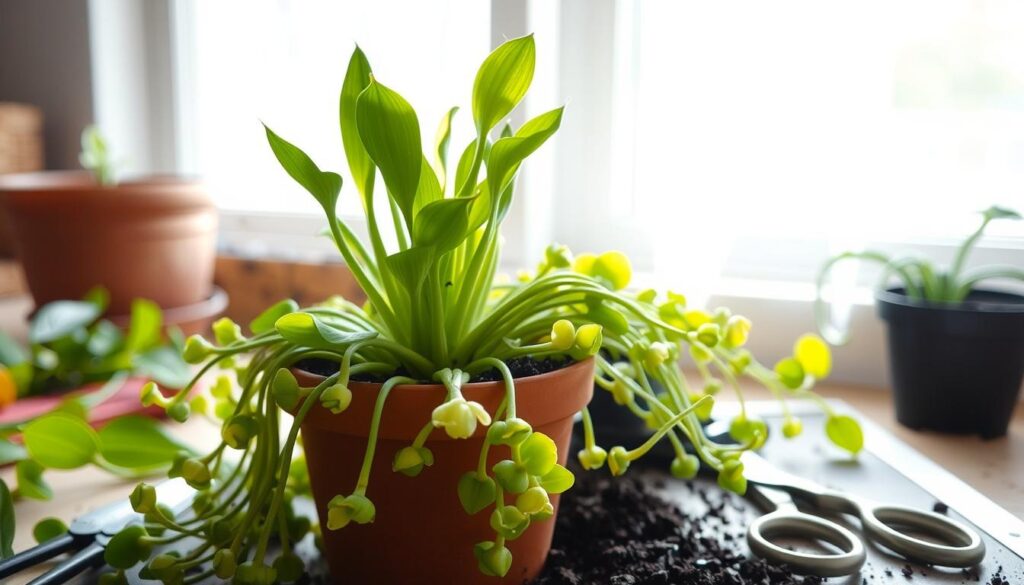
<point>77,181</point>
<point>472,386</point>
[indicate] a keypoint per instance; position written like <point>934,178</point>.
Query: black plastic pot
<point>956,368</point>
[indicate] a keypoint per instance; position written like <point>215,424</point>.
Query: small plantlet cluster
<point>436,315</point>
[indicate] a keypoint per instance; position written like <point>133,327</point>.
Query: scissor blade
<point>758,470</point>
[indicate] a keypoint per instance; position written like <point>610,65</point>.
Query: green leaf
<point>165,366</point>
<point>357,78</point>
<point>265,321</point>
<point>60,441</point>
<point>513,478</point>
<point>441,142</point>
<point>502,82</point>
<point>61,318</point>
<point>464,165</point>
<point>48,529</point>
<point>7,523</point>
<point>324,186</point>
<point>557,480</point>
<point>428,191</point>
<point>30,480</point>
<point>138,443</point>
<point>539,454</point>
<point>410,267</point>
<point>147,322</point>
<point>443,224</point>
<point>845,432</point>
<point>11,452</point>
<point>996,212</point>
<point>508,153</point>
<point>475,492</point>
<point>313,331</point>
<point>390,132</point>
<point>105,339</point>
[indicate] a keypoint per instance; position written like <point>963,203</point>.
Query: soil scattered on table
<point>620,531</point>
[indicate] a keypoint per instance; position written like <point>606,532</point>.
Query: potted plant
<point>956,351</point>
<point>151,237</point>
<point>435,419</point>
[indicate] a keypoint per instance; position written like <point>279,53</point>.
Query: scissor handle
<point>790,522</point>
<point>958,546</point>
<point>37,554</point>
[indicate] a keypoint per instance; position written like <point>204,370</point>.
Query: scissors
<point>947,543</point>
<point>88,536</point>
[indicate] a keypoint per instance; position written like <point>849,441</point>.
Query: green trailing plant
<point>435,315</point>
<point>922,279</point>
<point>71,345</point>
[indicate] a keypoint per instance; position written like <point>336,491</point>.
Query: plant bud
<point>196,473</point>
<point>286,389</point>
<point>336,398</point>
<point>511,476</point>
<point>221,387</point>
<point>700,353</point>
<point>694,318</point>
<point>115,578</point>
<point>150,395</point>
<point>740,361</point>
<point>199,403</point>
<point>493,560</point>
<point>239,431</point>
<point>252,574</point>
<point>289,567</point>
<point>558,256</point>
<point>563,335</point>
<point>618,460</point>
<point>592,458</point>
<point>342,510</point>
<point>197,349</point>
<point>459,417</point>
<point>731,477</point>
<point>708,334</point>
<point>622,393</point>
<point>224,563</point>
<point>532,501</point>
<point>589,339</point>
<point>226,331</point>
<point>813,354</point>
<point>179,411</point>
<point>509,432</point>
<point>656,354</point>
<point>509,521</point>
<point>737,330</point>
<point>685,467</point>
<point>792,427</point>
<point>703,411</point>
<point>411,460</point>
<point>143,498</point>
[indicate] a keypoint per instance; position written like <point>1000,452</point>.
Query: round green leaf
<point>30,480</point>
<point>845,432</point>
<point>475,493</point>
<point>61,441</point>
<point>539,454</point>
<point>790,372</point>
<point>140,443</point>
<point>48,529</point>
<point>557,480</point>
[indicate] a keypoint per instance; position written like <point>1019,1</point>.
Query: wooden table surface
<point>995,467</point>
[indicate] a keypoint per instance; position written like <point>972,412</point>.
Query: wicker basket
<point>21,151</point>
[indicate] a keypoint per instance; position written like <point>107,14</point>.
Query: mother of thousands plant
<point>435,314</point>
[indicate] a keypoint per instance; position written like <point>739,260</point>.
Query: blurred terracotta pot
<point>152,238</point>
<point>421,533</point>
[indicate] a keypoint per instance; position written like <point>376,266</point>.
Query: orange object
<point>151,239</point>
<point>421,534</point>
<point>8,387</point>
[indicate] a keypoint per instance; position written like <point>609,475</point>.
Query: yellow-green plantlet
<point>434,314</point>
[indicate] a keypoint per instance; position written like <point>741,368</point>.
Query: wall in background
<point>55,76</point>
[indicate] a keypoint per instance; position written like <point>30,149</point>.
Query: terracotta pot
<point>421,533</point>
<point>153,238</point>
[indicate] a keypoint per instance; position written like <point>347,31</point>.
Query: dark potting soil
<point>620,531</point>
<point>520,368</point>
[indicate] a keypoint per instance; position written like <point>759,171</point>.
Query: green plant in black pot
<point>956,351</point>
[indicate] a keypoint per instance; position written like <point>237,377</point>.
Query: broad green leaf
<point>324,186</point>
<point>138,443</point>
<point>390,132</point>
<point>845,432</point>
<point>61,318</point>
<point>60,441</point>
<point>105,339</point>
<point>441,143</point>
<point>147,321</point>
<point>480,211</point>
<point>315,332</point>
<point>509,152</point>
<point>502,82</point>
<point>476,493</point>
<point>265,321</point>
<point>409,267</point>
<point>464,165</point>
<point>539,454</point>
<point>428,191</point>
<point>11,452</point>
<point>7,523</point>
<point>357,78</point>
<point>443,224</point>
<point>48,529</point>
<point>165,366</point>
<point>30,480</point>
<point>557,480</point>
